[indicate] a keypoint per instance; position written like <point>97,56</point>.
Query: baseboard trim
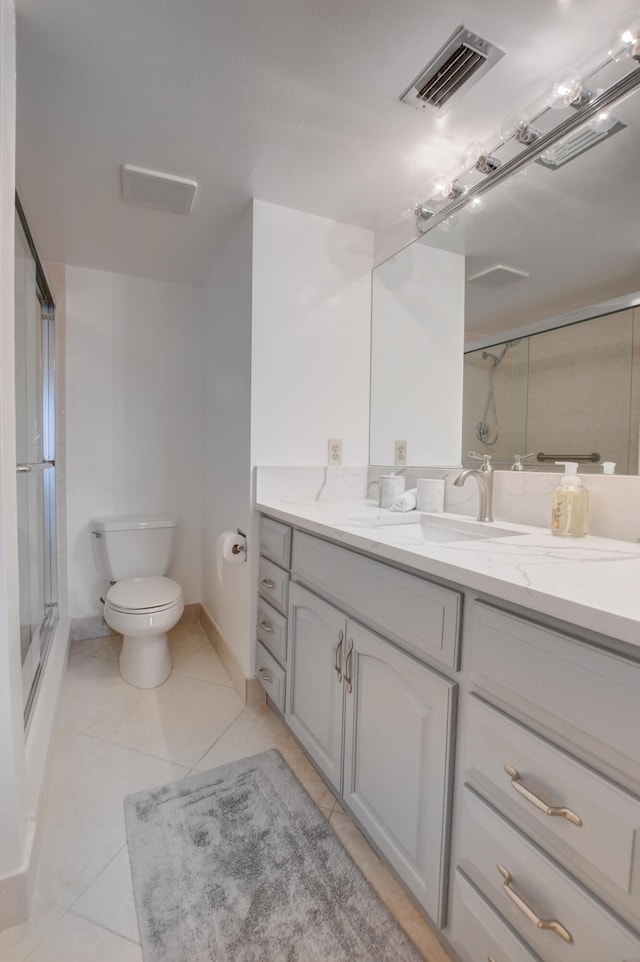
<point>249,689</point>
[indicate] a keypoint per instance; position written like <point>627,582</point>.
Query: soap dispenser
<point>570,504</point>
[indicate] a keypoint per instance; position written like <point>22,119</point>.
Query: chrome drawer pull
<point>526,910</point>
<point>347,666</point>
<point>266,626</point>
<point>538,802</point>
<point>336,665</point>
<point>268,583</point>
<point>264,674</point>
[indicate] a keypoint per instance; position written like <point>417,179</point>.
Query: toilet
<point>141,604</point>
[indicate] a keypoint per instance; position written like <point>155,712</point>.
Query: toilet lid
<point>152,593</point>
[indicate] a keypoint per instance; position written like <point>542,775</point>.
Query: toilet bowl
<point>143,610</point>
<point>134,554</point>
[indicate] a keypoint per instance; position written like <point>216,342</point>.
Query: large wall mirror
<point>546,275</point>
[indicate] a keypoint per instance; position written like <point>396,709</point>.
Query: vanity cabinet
<point>538,858</point>
<point>271,619</point>
<point>378,724</point>
<point>548,814</point>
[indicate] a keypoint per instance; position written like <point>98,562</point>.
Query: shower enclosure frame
<point>45,468</point>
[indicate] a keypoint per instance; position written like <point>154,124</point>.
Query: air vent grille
<point>463,57</point>
<point>450,77</point>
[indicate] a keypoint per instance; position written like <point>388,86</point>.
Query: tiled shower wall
<point>577,392</point>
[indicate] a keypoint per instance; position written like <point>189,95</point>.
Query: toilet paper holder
<point>239,548</point>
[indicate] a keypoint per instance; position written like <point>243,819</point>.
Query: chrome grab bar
<point>594,457</point>
<point>538,802</point>
<point>527,911</point>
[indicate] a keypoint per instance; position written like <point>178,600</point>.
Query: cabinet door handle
<point>266,626</point>
<point>538,802</point>
<point>268,583</point>
<point>336,664</point>
<point>264,674</point>
<point>527,911</point>
<point>348,658</point>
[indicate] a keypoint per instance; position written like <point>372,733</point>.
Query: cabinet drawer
<point>478,931</point>
<point>421,616</point>
<point>270,675</point>
<point>273,584</point>
<point>560,684</point>
<point>271,629</point>
<point>591,933</point>
<point>275,541</point>
<point>601,848</point>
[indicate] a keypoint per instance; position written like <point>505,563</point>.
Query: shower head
<point>497,358</point>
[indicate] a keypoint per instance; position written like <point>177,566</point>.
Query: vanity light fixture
<point>589,123</point>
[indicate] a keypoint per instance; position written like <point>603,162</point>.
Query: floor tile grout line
<point>216,740</point>
<point>138,751</point>
<point>105,928</point>
<point>95,879</point>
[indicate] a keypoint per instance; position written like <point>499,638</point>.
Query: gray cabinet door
<point>398,757</point>
<point>315,711</point>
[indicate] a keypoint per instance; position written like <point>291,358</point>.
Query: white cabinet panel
<point>273,584</point>
<point>478,932</point>
<point>583,928</point>
<point>421,616</point>
<point>271,629</point>
<point>270,675</point>
<point>603,847</point>
<point>397,760</point>
<point>275,541</point>
<point>589,697</point>
<point>315,712</point>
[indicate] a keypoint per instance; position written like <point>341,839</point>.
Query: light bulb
<point>601,122</point>
<point>565,92</point>
<point>623,41</point>
<point>441,186</point>
<point>475,205</point>
<point>472,154</point>
<point>449,223</point>
<point>511,125</point>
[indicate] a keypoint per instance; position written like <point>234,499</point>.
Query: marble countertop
<point>590,582</point>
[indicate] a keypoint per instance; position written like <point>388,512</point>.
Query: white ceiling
<point>290,101</point>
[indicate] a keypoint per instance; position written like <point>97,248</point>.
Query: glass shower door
<point>35,466</point>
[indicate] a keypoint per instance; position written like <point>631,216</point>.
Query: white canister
<point>391,485</point>
<point>430,496</point>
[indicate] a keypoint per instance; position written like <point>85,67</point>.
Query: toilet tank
<point>133,547</point>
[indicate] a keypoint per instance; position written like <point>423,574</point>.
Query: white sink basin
<point>412,528</point>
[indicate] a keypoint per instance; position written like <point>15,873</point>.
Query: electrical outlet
<point>335,450</point>
<point>400,452</point>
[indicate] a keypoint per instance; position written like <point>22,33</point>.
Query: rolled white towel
<point>406,501</point>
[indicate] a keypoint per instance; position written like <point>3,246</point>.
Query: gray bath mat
<point>238,865</point>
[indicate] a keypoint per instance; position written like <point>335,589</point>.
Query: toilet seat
<point>149,595</point>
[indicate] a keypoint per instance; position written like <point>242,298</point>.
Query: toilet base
<point>145,662</point>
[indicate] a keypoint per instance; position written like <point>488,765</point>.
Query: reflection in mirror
<point>547,245</point>
<point>570,393</point>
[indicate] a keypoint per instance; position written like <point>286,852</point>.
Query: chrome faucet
<point>484,479</point>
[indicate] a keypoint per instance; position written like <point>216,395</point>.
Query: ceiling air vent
<point>464,58</point>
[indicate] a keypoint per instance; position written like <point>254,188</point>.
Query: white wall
<point>311,337</point>
<point>13,811</point>
<point>227,428</point>
<point>417,356</point>
<point>134,417</point>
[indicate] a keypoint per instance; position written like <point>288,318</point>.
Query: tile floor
<point>113,740</point>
